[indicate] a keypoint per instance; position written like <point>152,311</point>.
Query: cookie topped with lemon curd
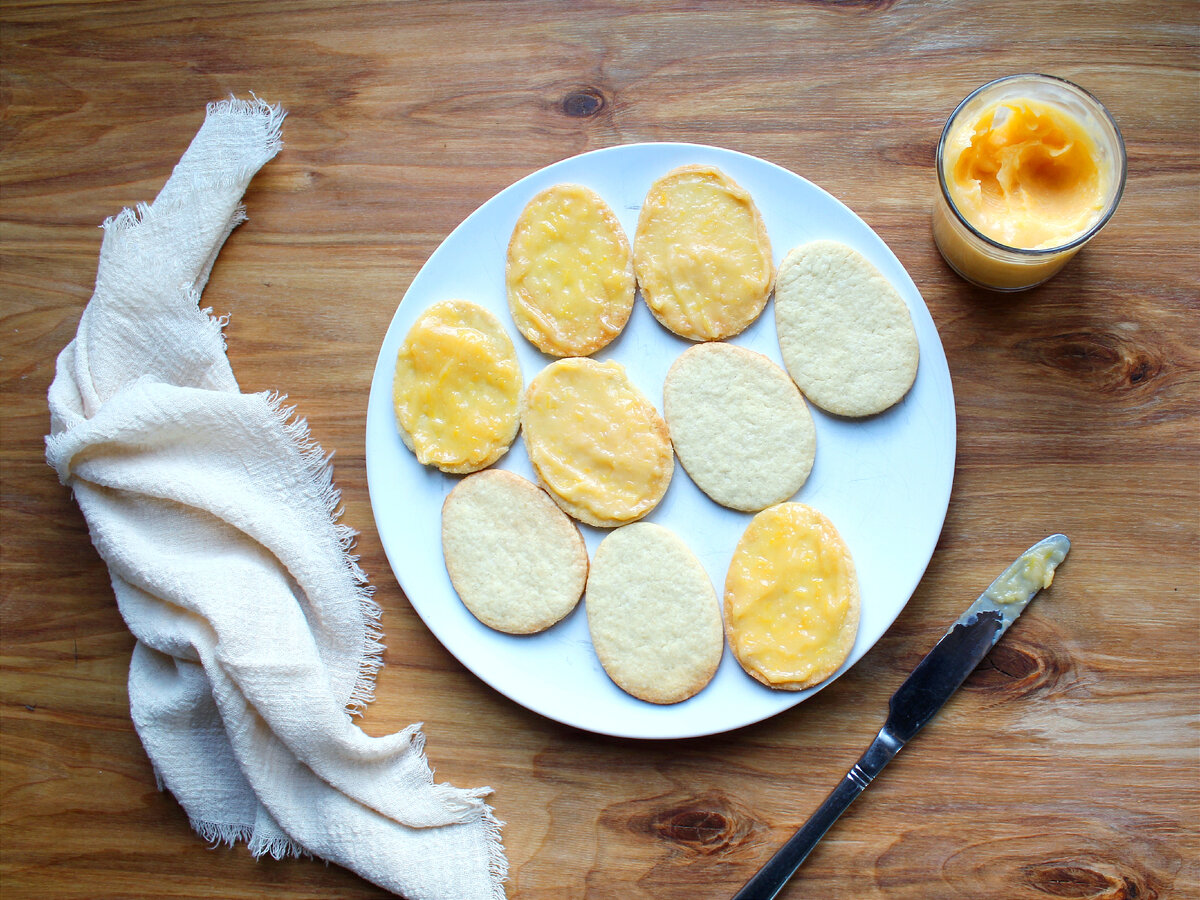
<point>791,598</point>
<point>597,444</point>
<point>702,255</point>
<point>457,389</point>
<point>569,272</point>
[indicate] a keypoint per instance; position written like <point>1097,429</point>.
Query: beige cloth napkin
<point>256,632</point>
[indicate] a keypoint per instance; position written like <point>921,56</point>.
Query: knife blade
<point>922,694</point>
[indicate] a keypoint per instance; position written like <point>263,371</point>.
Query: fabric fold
<point>257,634</point>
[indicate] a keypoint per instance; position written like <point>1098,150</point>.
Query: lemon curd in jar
<point>1030,168</point>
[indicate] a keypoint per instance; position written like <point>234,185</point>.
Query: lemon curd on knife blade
<point>791,598</point>
<point>457,388</point>
<point>1034,571</point>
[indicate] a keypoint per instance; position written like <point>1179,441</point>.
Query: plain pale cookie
<point>569,272</point>
<point>702,255</point>
<point>740,426</point>
<point>597,444</point>
<point>457,389</point>
<point>846,335</point>
<point>653,614</point>
<point>515,559</point>
<point>791,598</point>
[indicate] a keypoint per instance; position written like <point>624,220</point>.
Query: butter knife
<point>929,686</point>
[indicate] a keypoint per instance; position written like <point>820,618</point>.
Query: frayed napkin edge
<point>318,469</point>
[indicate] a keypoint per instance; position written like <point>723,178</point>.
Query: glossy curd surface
<point>569,272</point>
<point>702,254</point>
<point>791,598</point>
<point>1027,173</point>
<point>596,442</point>
<point>457,387</point>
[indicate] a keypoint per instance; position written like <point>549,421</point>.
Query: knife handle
<point>770,879</point>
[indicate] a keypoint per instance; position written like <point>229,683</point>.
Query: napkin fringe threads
<point>288,774</point>
<point>319,468</point>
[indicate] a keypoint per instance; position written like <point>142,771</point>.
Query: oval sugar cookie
<point>653,614</point>
<point>569,272</point>
<point>846,335</point>
<point>791,598</point>
<point>515,559</point>
<point>702,255</point>
<point>457,388</point>
<point>739,425</point>
<point>597,444</point>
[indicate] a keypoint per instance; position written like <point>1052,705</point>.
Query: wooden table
<point>1067,766</point>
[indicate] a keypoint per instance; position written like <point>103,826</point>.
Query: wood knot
<point>1105,359</point>
<point>708,824</point>
<point>1017,668</point>
<point>1085,883</point>
<point>700,827</point>
<point>584,103</point>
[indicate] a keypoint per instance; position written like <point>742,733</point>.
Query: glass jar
<point>987,261</point>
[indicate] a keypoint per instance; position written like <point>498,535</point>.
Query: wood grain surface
<point>1069,764</point>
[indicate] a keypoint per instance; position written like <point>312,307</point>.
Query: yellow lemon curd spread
<point>1032,572</point>
<point>702,255</point>
<point>1027,174</point>
<point>596,442</point>
<point>457,388</point>
<point>569,272</point>
<point>791,598</point>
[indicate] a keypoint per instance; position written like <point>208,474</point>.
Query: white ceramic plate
<point>883,481</point>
